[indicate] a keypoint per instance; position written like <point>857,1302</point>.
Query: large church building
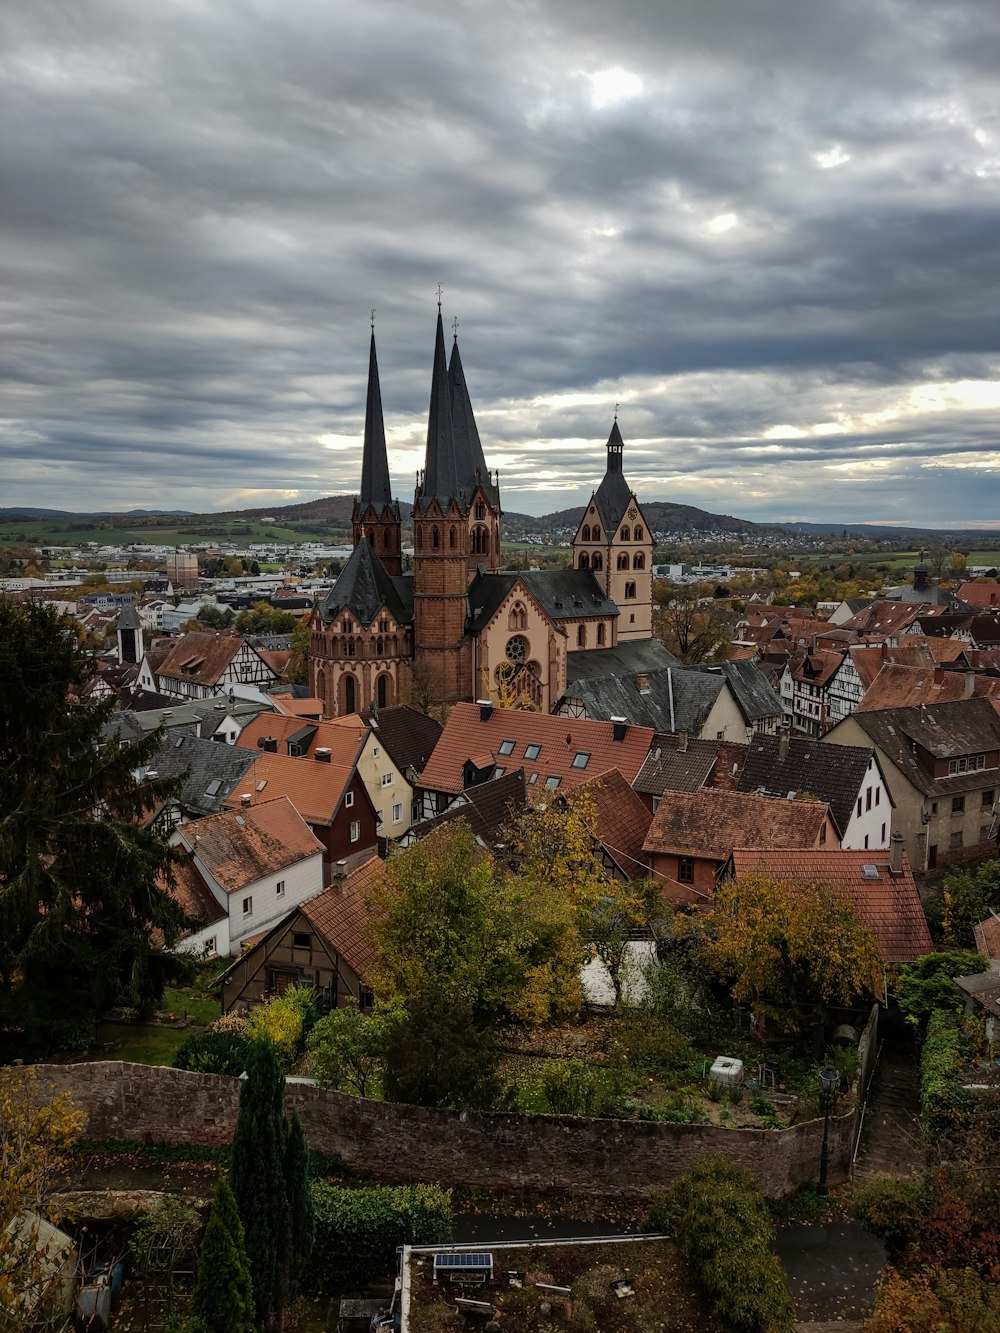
<point>453,626</point>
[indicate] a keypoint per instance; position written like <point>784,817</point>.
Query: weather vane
<point>440,290</point>
<point>373,321</point>
<point>454,327</point>
<point>617,405</point>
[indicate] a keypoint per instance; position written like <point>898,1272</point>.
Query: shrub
<point>576,1087</point>
<point>214,1053</point>
<point>930,1301</point>
<point>722,1225</point>
<point>284,1021</point>
<point>231,1022</point>
<point>653,1046</point>
<point>357,1231</point>
<point>942,1100</point>
<point>891,1209</point>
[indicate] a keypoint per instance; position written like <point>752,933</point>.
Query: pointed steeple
<point>616,446</point>
<point>469,458</point>
<point>376,489</point>
<point>614,494</point>
<point>440,471</point>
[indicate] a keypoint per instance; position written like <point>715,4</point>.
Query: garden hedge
<point>358,1230</point>
<point>214,1053</point>
<point>942,1098</point>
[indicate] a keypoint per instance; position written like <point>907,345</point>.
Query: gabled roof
<point>201,656</point>
<point>887,904</point>
<point>670,700</point>
<point>488,808</point>
<point>214,771</point>
<point>621,821</point>
<point>128,618</point>
<point>315,789</point>
<point>562,594</point>
<point>614,495</point>
<point>755,696</point>
<point>904,687</point>
<point>240,847</point>
<point>967,726</point>
<point>364,586</point>
<point>809,767</point>
<point>478,732</point>
<point>408,736</point>
<point>631,656</point>
<point>711,822</point>
<point>669,767</point>
<point>340,917</point>
<point>816,667</point>
<point>884,618</point>
<point>987,936</point>
<point>343,737</point>
<point>195,897</point>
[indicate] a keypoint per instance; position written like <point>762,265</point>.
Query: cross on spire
<point>617,405</point>
<point>440,290</point>
<point>454,327</point>
<point>373,321</point>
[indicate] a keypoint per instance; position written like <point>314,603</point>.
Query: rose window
<point>517,648</point>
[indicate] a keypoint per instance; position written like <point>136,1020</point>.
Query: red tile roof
<point>193,894</point>
<point>904,687</point>
<point>888,904</point>
<point>979,594</point>
<point>315,789</point>
<point>621,821</point>
<point>468,733</point>
<point>711,822</point>
<point>238,848</point>
<point>343,738</point>
<point>290,706</point>
<point>340,916</point>
<point>987,935</point>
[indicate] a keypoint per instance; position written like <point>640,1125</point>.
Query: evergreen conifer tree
<point>223,1294</point>
<point>86,919</point>
<point>302,1219</point>
<point>258,1181</point>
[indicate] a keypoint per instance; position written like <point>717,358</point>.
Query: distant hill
<point>662,515</point>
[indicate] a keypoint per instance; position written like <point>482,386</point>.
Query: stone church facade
<point>453,626</point>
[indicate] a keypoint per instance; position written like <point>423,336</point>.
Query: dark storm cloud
<point>780,253</point>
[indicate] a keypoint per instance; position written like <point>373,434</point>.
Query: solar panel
<point>463,1263</point>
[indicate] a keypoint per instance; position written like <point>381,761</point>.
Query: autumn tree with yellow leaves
<point>36,1128</point>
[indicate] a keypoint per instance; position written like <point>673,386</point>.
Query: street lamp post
<point>830,1080</point>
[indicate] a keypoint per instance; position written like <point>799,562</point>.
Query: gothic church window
<point>452,537</point>
<point>638,561</point>
<point>623,561</point>
<point>585,534</point>
<point>517,649</point>
<point>480,509</point>
<point>637,535</point>
<point>598,561</point>
<point>584,560</point>
<point>581,636</point>
<point>435,537</point>
<point>625,533</point>
<point>600,636</point>
<point>518,618</point>
<point>630,589</point>
<point>480,541</point>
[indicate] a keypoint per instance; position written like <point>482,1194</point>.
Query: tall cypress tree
<point>302,1219</point>
<point>86,920</point>
<point>223,1294</point>
<point>257,1177</point>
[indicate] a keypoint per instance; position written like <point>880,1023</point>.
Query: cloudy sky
<point>768,229</point>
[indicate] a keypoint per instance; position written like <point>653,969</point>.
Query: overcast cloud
<point>769,229</point>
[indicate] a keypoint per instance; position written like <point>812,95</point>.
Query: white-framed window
<point>279,889</point>
<point>397,814</point>
<point>355,830</point>
<point>966,763</point>
<point>376,751</point>
<point>386,779</point>
<point>248,905</point>
<point>209,947</point>
<point>349,799</point>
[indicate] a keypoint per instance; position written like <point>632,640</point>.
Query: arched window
<point>623,560</point>
<point>584,560</point>
<point>480,541</point>
<point>625,533</point>
<point>585,534</point>
<point>638,561</point>
<point>385,537</point>
<point>321,686</point>
<point>350,694</point>
<point>601,635</point>
<point>637,535</point>
<point>452,537</point>
<point>480,509</point>
<point>581,636</point>
<point>517,649</point>
<point>371,537</point>
<point>598,561</point>
<point>629,589</point>
<point>518,618</point>
<point>597,532</point>
<point>383,691</point>
<point>435,537</point>
<point>349,645</point>
<point>420,539</point>
<point>380,647</point>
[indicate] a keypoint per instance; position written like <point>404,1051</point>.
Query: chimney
<point>322,754</point>
<point>485,710</point>
<point>682,742</point>
<point>642,684</point>
<point>619,728</point>
<point>338,880</point>
<point>783,744</point>
<point>883,651</point>
<point>245,799</point>
<point>896,854</point>
<point>970,685</point>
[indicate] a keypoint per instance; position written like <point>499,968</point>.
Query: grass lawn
<point>139,1043</point>
<point>202,1009</point>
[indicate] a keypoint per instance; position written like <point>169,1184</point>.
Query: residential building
<point>202,663</point>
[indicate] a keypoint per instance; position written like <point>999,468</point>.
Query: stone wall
<point>495,1152</point>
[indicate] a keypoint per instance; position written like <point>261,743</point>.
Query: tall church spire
<point>469,458</point>
<point>440,471</point>
<point>375,485</point>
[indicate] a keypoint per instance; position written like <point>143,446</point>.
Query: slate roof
<point>614,495</point>
<point>887,904</point>
<point>563,594</point>
<point>630,657</point>
<point>470,462</point>
<point>621,821</point>
<point>677,698</point>
<point>441,476</point>
<point>711,822</point>
<point>904,687</point>
<point>205,713</point>
<point>409,736</point>
<point>755,696</point>
<point>468,734</point>
<point>209,763</point>
<point>128,618</point>
<point>967,726</point>
<point>488,807</point>
<point>984,988</point>
<point>670,768</point>
<point>808,767</point>
<point>239,847</point>
<point>364,586</point>
<point>376,489</point>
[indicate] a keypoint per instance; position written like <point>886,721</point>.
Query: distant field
<point>990,558</point>
<point>45,532</point>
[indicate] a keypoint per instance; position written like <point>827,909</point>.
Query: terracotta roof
<point>339,914</point>
<point>870,659</point>
<point>622,821</point>
<point>193,894</point>
<point>201,656</point>
<point>238,848</point>
<point>729,764</point>
<point>888,904</point>
<point>987,935</point>
<point>292,707</point>
<point>936,650</point>
<point>979,594</point>
<point>343,738</point>
<point>275,659</point>
<point>676,764</point>
<point>904,687</point>
<point>817,667</point>
<point>482,731</point>
<point>315,789</point>
<point>886,617</point>
<point>711,822</point>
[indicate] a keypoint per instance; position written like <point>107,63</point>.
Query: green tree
<point>348,1047</point>
<point>298,666</point>
<point>257,1176</point>
<point>223,1294</point>
<point>266,619</point>
<point>301,1214</point>
<point>86,918</point>
<point>437,1054</point>
<point>928,984</point>
<point>690,623</point>
<point>964,901</point>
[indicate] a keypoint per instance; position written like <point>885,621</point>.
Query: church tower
<point>456,528</point>
<point>375,517</point>
<point>615,542</point>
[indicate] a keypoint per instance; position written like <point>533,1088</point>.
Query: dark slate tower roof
<point>128,618</point>
<point>441,477</point>
<point>614,495</point>
<point>469,459</point>
<point>363,586</point>
<point>375,487</point>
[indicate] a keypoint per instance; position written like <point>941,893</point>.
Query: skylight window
<point>506,747</point>
<point>499,771</point>
<point>262,784</point>
<point>213,787</point>
<point>581,759</point>
<point>532,751</point>
<point>552,782</point>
